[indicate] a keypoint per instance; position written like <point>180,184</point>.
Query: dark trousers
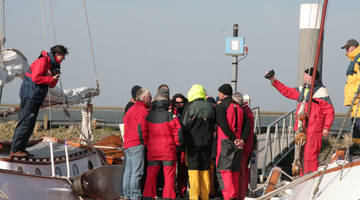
<point>356,130</point>
<point>26,122</point>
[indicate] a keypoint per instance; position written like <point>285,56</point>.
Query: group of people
<point>180,135</point>
<point>185,138</point>
<point>190,137</point>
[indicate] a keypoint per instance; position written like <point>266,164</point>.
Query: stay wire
<point>91,46</point>
<point>53,19</point>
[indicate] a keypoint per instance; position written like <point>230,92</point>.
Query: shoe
<point>29,154</point>
<point>19,154</point>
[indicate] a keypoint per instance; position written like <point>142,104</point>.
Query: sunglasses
<point>178,102</point>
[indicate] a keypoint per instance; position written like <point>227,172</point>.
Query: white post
<point>86,124</point>
<point>52,159</point>
<point>309,25</point>
<point>67,159</point>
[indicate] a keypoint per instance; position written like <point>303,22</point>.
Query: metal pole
<point>234,62</point>
<point>2,36</point>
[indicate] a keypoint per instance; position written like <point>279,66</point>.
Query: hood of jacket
<point>160,105</point>
<point>196,92</point>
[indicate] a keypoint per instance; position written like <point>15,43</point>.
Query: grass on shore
<point>71,132</point>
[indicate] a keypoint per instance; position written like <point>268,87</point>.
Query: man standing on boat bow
<point>353,80</point>
<point>41,75</point>
<point>320,118</point>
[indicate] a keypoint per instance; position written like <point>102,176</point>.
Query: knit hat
<point>226,89</point>
<point>134,89</point>
<point>310,71</point>
<point>162,93</point>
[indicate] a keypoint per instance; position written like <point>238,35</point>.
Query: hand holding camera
<point>270,75</point>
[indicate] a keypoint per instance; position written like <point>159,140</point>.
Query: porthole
<point>20,170</point>
<point>91,166</point>
<point>58,171</point>
<point>75,170</point>
<point>37,171</point>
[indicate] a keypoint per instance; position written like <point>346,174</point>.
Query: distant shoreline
<point>123,108</point>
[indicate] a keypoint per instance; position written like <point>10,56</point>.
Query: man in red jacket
<point>248,130</point>
<point>134,145</point>
<point>161,131</point>
<point>320,118</point>
<point>42,74</point>
<point>229,117</point>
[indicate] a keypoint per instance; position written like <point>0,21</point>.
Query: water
<point>115,116</point>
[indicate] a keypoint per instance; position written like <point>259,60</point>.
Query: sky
<point>178,42</point>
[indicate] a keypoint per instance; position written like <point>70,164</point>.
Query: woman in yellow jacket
<point>353,80</point>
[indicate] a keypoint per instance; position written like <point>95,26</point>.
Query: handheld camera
<point>270,74</point>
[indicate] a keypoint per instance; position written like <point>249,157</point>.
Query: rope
<point>91,47</point>
<point>52,19</point>
<point>337,140</point>
<point>3,195</point>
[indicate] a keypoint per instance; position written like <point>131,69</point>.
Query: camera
<point>55,71</point>
<point>270,74</point>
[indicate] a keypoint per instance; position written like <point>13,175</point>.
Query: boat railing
<point>279,141</point>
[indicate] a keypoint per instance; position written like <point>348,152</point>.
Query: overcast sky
<point>180,43</point>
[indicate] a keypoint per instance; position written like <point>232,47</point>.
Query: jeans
<point>134,170</point>
<point>26,122</point>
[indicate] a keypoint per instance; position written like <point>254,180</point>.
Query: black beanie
<point>226,89</point>
<point>310,71</point>
<point>134,89</point>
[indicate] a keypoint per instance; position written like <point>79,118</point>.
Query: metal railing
<point>278,143</point>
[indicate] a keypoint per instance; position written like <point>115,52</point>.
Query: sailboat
<point>60,169</point>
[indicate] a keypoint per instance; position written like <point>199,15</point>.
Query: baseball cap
<point>350,43</point>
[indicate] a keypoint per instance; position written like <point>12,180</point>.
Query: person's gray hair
<point>141,93</point>
<point>238,97</point>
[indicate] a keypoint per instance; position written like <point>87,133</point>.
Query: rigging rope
<point>52,19</point>
<point>337,139</point>
<point>91,47</point>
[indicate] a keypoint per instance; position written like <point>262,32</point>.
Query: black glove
<point>270,74</point>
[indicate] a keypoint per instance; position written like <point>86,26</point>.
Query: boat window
<point>58,171</point>
<point>91,166</point>
<point>20,170</point>
<point>75,170</point>
<point>37,171</point>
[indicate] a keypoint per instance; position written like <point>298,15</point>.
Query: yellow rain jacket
<point>352,82</point>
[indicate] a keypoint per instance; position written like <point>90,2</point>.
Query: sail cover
<point>14,65</point>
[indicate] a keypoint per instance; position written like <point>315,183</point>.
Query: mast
<point>316,62</point>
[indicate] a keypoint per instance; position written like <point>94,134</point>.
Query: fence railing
<point>279,138</point>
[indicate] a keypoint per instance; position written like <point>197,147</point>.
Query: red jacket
<point>132,124</point>
<point>322,112</point>
<point>227,124</point>
<point>161,132</point>
<point>40,71</point>
<point>249,142</point>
